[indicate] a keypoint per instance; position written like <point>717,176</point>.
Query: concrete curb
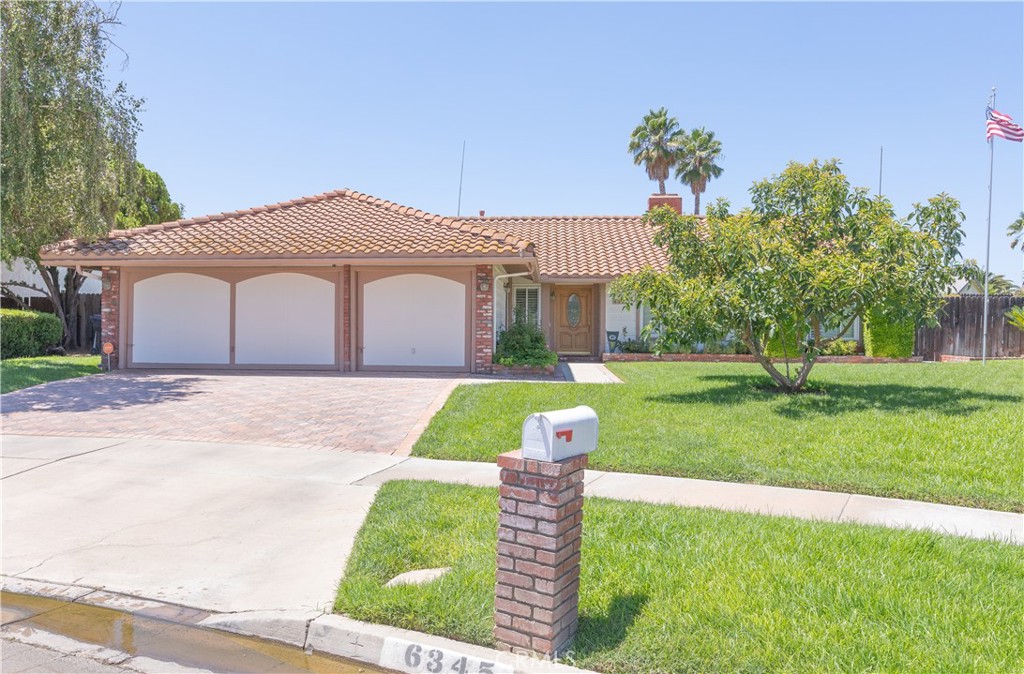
<point>379,645</point>
<point>314,631</point>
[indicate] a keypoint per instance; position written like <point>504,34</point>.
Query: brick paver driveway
<point>327,411</point>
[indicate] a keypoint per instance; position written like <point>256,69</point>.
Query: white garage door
<point>284,319</point>
<point>181,318</point>
<point>414,320</point>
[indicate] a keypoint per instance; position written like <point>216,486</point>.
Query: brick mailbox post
<point>539,533</point>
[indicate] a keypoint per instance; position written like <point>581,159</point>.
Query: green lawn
<point>948,433</point>
<point>17,373</point>
<point>667,589</point>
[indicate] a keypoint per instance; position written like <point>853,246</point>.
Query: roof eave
<point>291,261</point>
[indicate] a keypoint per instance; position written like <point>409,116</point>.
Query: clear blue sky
<point>248,104</point>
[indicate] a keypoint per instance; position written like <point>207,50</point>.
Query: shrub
<point>1015,317</point>
<point>523,343</point>
<point>28,333</point>
<point>840,347</point>
<point>791,348</point>
<point>884,338</point>
<point>635,346</point>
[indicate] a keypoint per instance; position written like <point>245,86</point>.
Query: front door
<point>574,334</point>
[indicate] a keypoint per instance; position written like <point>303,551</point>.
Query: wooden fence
<point>960,330</point>
<point>88,305</point>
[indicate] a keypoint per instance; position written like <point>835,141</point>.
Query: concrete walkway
<point>229,527</point>
<point>587,373</point>
<point>751,498</point>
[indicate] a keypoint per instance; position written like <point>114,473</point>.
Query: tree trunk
<point>786,384</point>
<point>72,302</point>
<point>14,297</point>
<point>65,303</point>
<point>696,203</point>
<point>661,185</point>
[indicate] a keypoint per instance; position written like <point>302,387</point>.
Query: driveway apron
<point>218,491</point>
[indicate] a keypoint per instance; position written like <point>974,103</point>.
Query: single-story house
<point>346,281</point>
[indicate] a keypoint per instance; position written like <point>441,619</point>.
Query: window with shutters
<point>527,304</point>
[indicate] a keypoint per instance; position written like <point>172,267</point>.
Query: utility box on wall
<point>561,434</point>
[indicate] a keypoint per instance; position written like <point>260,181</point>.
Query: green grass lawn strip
<point>947,433</point>
<point>19,373</point>
<point>667,589</point>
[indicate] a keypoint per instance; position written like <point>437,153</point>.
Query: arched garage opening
<point>181,318</point>
<point>285,319</point>
<point>414,321</point>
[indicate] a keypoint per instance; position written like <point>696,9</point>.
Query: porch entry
<point>574,324</point>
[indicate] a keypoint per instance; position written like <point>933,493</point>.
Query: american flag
<point>1002,125</point>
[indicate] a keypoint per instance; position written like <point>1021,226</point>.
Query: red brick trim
<point>740,358</point>
<point>536,370</point>
<point>539,535</point>
<point>346,318</point>
<point>110,312</point>
<point>483,318</point>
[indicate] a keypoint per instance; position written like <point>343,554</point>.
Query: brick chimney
<point>673,201</point>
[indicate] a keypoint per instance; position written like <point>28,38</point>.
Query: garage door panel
<point>414,320</point>
<point>285,319</point>
<point>181,318</point>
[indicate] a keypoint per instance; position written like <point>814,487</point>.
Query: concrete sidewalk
<point>751,498</point>
<point>229,527</point>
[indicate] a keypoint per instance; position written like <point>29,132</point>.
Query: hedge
<point>25,334</point>
<point>888,339</point>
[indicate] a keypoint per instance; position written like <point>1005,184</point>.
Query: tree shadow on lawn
<point>836,399</point>
<point>44,372</point>
<point>604,633</point>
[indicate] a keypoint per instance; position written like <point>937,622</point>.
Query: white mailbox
<point>561,434</point>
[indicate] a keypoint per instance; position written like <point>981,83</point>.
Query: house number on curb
<point>409,656</point>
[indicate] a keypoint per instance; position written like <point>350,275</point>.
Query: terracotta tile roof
<point>343,223</point>
<point>591,247</point>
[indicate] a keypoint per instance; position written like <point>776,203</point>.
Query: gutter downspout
<point>497,278</point>
<point>88,274</point>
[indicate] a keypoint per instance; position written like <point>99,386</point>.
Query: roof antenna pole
<point>462,168</point>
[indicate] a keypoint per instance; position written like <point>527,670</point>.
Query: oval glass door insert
<point>573,310</point>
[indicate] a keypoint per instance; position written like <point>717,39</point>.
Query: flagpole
<point>988,236</point>
<point>881,150</point>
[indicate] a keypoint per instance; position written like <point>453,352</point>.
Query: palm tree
<point>1016,230</point>
<point>655,143</point>
<point>997,283</point>
<point>697,165</point>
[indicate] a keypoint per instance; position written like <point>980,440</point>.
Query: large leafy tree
<point>655,143</point>
<point>68,137</point>
<point>811,252</point>
<point>147,202</point>
<point>698,162</point>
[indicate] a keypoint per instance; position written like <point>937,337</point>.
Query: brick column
<point>483,319</point>
<point>110,311</point>
<point>346,318</point>
<point>538,578</point>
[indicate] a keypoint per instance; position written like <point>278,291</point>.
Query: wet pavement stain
<point>163,640</point>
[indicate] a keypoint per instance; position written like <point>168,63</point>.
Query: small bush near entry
<point>28,333</point>
<point>635,346</point>
<point>887,339</point>
<point>840,347</point>
<point>523,343</point>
